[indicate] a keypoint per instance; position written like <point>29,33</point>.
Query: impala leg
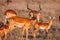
<point>0,38</point>
<point>46,32</point>
<point>26,34</point>
<point>11,27</point>
<point>37,28</point>
<point>5,37</point>
<point>34,34</point>
<point>11,36</point>
<point>23,33</point>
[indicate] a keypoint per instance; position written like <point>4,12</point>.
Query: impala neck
<point>33,22</point>
<point>51,21</point>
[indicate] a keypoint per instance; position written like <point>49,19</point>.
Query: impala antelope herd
<point>23,23</point>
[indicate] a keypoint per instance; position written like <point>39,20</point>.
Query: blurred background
<point>49,8</point>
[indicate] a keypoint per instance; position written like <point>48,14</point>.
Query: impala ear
<point>49,17</point>
<point>53,17</point>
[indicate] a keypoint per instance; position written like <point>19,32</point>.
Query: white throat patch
<point>6,17</point>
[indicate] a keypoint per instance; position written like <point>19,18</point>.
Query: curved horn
<point>8,1</point>
<point>27,6</point>
<point>39,6</point>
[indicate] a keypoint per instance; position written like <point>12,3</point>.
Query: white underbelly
<point>42,28</point>
<point>20,26</point>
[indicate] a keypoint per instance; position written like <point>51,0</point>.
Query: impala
<point>4,29</point>
<point>43,26</point>
<point>9,13</point>
<point>17,21</point>
<point>35,15</point>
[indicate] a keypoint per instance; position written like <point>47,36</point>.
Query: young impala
<point>35,15</point>
<point>17,21</point>
<point>45,26</point>
<point>4,29</point>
